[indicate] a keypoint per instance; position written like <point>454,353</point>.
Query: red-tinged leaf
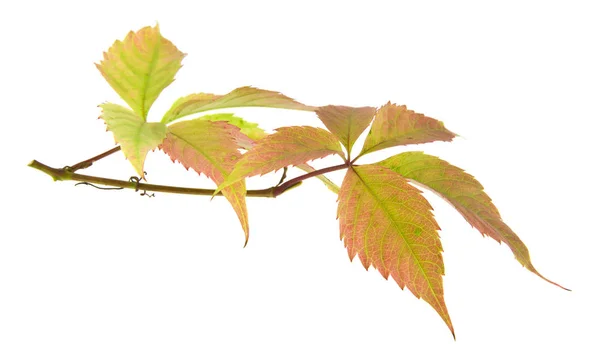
<point>389,225</point>
<point>135,136</point>
<point>292,145</point>
<point>140,67</point>
<point>240,97</point>
<point>396,125</point>
<point>209,148</point>
<point>347,123</point>
<point>463,192</point>
<point>249,132</point>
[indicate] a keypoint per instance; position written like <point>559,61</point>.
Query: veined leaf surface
<point>463,192</point>
<point>292,145</point>
<point>209,148</point>
<point>396,125</point>
<point>346,123</point>
<point>240,97</point>
<point>135,136</point>
<point>253,133</point>
<point>389,225</point>
<point>249,131</point>
<point>140,67</point>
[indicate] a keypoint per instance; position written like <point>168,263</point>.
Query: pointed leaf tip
<point>395,125</point>
<point>140,67</point>
<point>466,195</point>
<point>135,136</point>
<point>210,148</point>
<point>390,226</point>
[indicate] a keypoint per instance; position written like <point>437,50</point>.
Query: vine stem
<point>67,174</point>
<point>88,162</point>
<point>278,190</point>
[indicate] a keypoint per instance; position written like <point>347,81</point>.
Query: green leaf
<point>347,123</point>
<point>389,225</point>
<point>240,97</point>
<point>251,130</point>
<point>396,125</point>
<point>140,67</point>
<point>463,192</point>
<point>135,136</point>
<point>209,148</point>
<point>292,145</point>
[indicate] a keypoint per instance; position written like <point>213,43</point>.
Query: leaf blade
<point>249,131</point>
<point>210,148</point>
<point>241,97</point>
<point>389,225</point>
<point>395,125</point>
<point>466,195</point>
<point>292,145</point>
<point>140,67</point>
<point>347,123</point>
<point>135,136</point>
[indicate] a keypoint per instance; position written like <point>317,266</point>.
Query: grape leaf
<point>209,148</point>
<point>240,97</point>
<point>291,145</point>
<point>135,136</point>
<point>140,67</point>
<point>396,125</point>
<point>390,226</point>
<point>347,123</point>
<point>465,194</point>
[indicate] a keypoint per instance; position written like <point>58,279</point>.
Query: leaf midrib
<point>148,76</point>
<point>386,210</point>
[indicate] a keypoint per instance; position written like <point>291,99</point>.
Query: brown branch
<point>66,174</point>
<point>88,162</point>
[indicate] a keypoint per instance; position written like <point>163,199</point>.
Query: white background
<point>90,276</point>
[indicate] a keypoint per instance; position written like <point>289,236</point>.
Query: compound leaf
<point>292,145</point>
<point>465,194</point>
<point>140,67</point>
<point>240,97</point>
<point>209,148</point>
<point>389,225</point>
<point>135,136</point>
<point>346,123</point>
<point>396,125</point>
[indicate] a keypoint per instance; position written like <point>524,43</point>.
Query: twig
<point>65,174</point>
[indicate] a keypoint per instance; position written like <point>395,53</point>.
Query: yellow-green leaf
<point>240,97</point>
<point>292,145</point>
<point>210,148</point>
<point>140,67</point>
<point>135,136</point>
<point>389,225</point>
<point>396,125</point>
<point>463,192</point>
<point>250,131</point>
<point>347,123</point>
